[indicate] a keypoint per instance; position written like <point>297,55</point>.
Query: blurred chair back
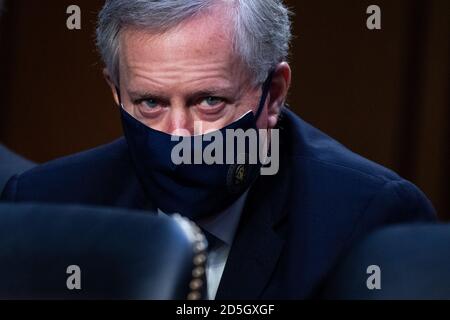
<point>413,262</point>
<point>47,251</point>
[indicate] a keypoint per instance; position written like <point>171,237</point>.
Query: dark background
<point>384,93</point>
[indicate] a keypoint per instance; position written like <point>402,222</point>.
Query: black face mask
<point>193,190</point>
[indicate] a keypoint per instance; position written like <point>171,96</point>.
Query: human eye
<point>211,102</point>
<point>149,106</point>
<point>150,103</point>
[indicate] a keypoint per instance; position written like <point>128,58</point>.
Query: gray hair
<point>261,37</point>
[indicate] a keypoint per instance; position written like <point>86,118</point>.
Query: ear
<point>281,82</point>
<point>111,84</point>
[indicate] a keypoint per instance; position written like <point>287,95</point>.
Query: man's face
<point>188,74</point>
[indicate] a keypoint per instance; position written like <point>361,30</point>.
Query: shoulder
<point>80,175</point>
<point>339,180</point>
<point>87,163</point>
<point>11,164</point>
<point>308,144</point>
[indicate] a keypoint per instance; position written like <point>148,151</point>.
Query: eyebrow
<point>213,91</point>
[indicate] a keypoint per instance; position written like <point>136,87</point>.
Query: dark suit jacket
<point>11,164</point>
<point>295,224</point>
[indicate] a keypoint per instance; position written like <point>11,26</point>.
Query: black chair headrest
<point>116,254</point>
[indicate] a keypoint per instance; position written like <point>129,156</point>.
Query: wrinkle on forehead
<point>198,50</point>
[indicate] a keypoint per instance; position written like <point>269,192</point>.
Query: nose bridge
<point>180,120</point>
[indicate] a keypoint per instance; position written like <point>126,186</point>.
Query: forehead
<point>200,43</point>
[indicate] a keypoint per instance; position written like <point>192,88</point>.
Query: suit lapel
<point>257,246</point>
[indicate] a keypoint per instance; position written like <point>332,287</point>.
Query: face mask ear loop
<point>118,96</point>
<point>265,93</point>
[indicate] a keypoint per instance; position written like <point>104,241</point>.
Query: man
<point>11,164</point>
<point>177,66</point>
